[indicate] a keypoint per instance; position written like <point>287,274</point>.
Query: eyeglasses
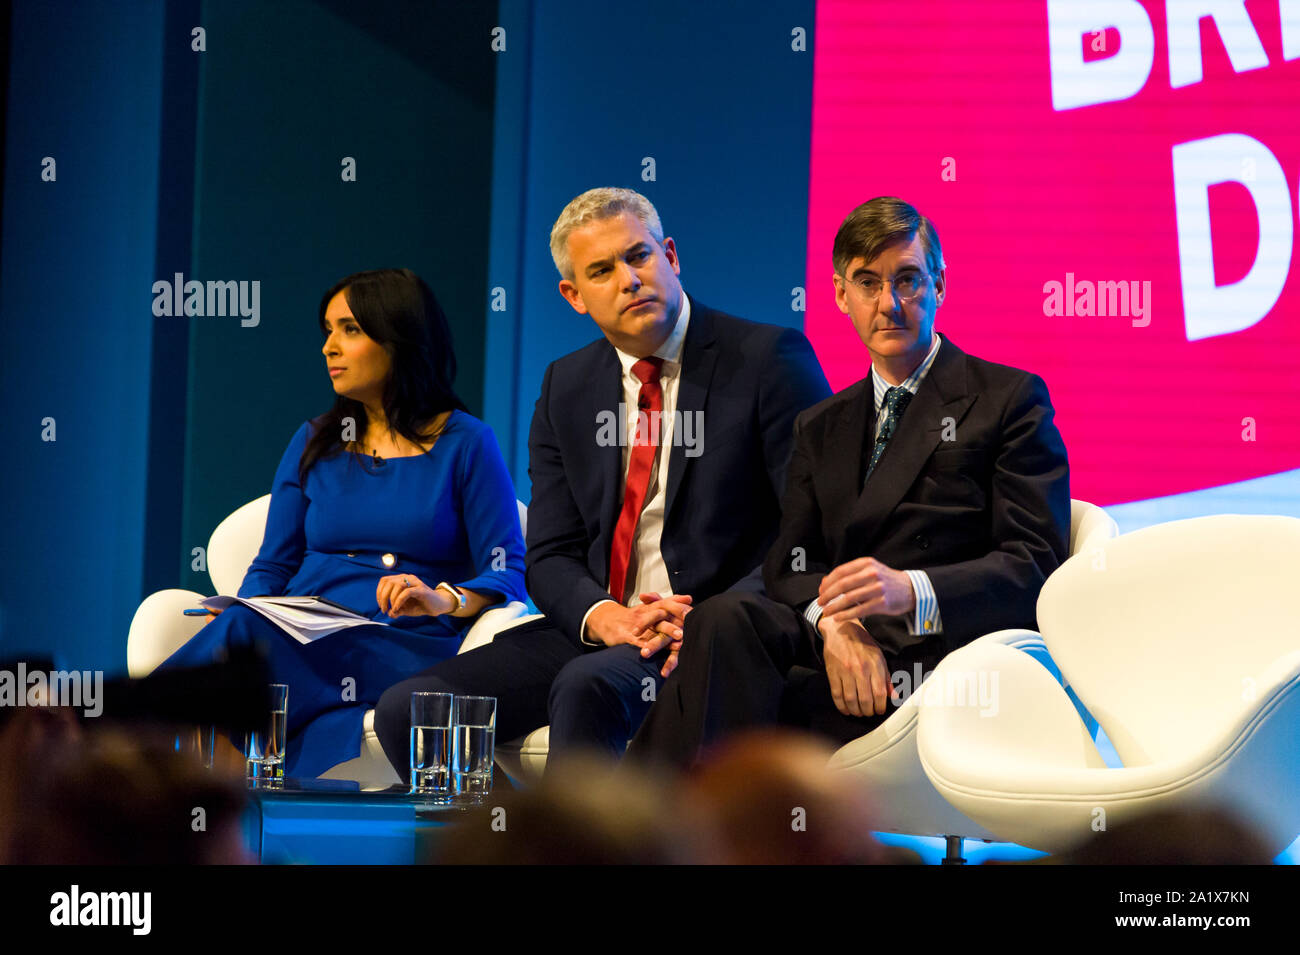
<point>906,286</point>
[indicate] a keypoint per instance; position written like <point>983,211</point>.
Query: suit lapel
<point>840,466</point>
<point>699,354</point>
<point>608,461</point>
<point>943,394</point>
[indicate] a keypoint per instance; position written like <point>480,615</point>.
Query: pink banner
<point>1116,195</point>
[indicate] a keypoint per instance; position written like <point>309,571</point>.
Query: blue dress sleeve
<point>490,515</point>
<point>285,540</point>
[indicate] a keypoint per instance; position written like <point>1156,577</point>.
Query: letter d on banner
<point>1210,309</point>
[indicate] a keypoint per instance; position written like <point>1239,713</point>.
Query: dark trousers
<point>745,661</point>
<point>593,698</point>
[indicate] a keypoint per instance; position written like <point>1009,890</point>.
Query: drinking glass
<point>473,741</point>
<point>197,742</point>
<point>264,748</point>
<point>431,745</point>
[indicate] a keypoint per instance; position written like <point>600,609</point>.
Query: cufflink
<point>928,625</point>
<point>389,561</point>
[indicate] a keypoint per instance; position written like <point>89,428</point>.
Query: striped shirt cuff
<point>813,612</point>
<point>926,620</point>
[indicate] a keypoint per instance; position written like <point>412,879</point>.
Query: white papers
<point>303,618</point>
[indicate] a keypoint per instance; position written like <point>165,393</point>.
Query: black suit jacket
<point>722,507</point>
<point>986,515</point>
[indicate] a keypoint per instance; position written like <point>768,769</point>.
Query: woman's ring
<point>406,582</point>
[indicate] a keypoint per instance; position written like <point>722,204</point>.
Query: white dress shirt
<point>646,570</point>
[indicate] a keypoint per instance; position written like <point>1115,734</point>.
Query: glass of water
<point>431,745</point>
<point>473,739</point>
<point>264,748</point>
<point>197,742</point>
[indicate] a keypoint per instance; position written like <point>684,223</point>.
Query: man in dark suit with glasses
<point>925,506</point>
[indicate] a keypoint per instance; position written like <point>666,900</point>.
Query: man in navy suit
<point>926,505</point>
<point>657,456</point>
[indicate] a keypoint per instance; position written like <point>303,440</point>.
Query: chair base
<point>954,856</point>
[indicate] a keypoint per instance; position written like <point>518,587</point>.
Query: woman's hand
<point>405,595</point>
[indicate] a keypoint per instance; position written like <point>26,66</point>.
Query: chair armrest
<point>989,711</point>
<point>159,629</point>
<point>1028,774</point>
<point>491,622</point>
<point>1031,642</point>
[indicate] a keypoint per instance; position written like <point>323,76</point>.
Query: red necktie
<point>641,461</point>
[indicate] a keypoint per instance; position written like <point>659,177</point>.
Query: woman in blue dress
<point>396,503</point>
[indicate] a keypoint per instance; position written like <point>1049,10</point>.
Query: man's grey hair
<point>603,202</point>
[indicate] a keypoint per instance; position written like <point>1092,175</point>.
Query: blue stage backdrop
<point>78,260</point>
<point>221,157</point>
<point>471,127</point>
<point>704,108</point>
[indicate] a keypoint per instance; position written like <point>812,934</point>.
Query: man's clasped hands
<point>855,664</point>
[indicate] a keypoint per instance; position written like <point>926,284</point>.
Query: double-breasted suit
<point>973,489</point>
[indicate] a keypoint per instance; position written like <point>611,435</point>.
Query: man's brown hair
<point>879,222</point>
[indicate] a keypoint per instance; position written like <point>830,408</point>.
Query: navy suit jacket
<point>722,507</point>
<point>985,514</point>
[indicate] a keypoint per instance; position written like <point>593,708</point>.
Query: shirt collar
<point>913,381</point>
<point>671,350</point>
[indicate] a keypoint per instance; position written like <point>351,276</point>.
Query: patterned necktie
<point>896,402</point>
<point>639,467</point>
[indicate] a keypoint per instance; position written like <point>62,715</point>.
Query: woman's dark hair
<point>399,311</point>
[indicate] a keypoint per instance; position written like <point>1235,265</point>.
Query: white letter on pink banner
<point>1076,83</point>
<point>1235,29</point>
<point>1210,309</point>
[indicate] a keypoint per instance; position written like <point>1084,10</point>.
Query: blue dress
<point>447,515</point>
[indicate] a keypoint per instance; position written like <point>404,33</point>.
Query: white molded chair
<point>1183,639</point>
<point>886,761</point>
<point>885,758</point>
<point>159,629</point>
<point>523,759</point>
